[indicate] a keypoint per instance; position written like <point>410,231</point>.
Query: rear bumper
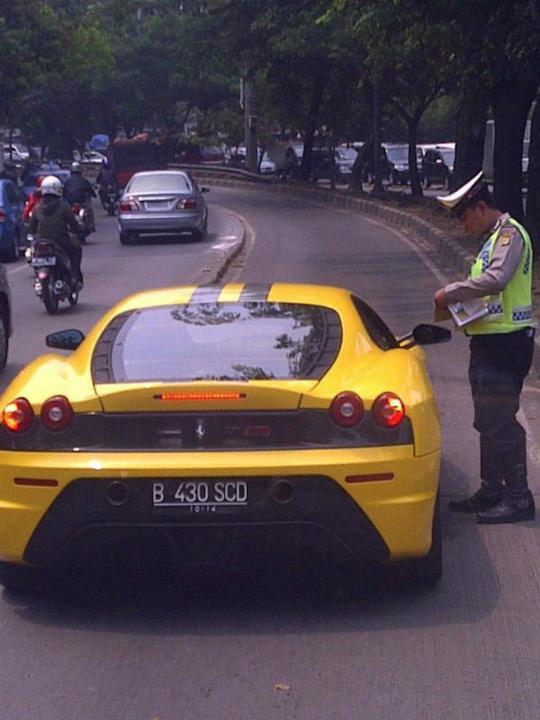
<point>376,520</point>
<point>158,223</point>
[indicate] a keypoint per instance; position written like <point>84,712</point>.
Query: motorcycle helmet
<point>75,167</point>
<point>51,185</point>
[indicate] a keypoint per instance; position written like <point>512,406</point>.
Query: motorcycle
<point>82,215</point>
<point>109,198</point>
<point>54,280</point>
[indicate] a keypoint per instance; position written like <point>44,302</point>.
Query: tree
<point>407,54</point>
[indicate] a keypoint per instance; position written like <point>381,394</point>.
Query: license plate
<point>201,496</point>
<point>40,261</point>
<point>157,205</point>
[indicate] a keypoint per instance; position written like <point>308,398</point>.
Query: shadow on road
<point>268,600</point>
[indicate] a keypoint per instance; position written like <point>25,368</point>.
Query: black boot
<point>483,499</point>
<point>510,509</point>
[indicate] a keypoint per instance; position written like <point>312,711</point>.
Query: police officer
<point>501,349</point>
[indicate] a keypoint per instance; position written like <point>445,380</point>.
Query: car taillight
<point>128,206</point>
<point>56,413</point>
<point>347,409</point>
<point>2,216</point>
<point>388,410</point>
<point>18,415</point>
<point>186,204</point>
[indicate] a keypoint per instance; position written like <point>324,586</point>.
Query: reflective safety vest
<point>510,309</point>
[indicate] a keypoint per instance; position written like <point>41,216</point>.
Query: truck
<point>133,155</point>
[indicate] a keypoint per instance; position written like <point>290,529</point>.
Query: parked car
<point>398,161</point>
<point>212,155</point>
<point>12,232</point>
<point>438,166</point>
<point>323,164</point>
<point>368,171</point>
<point>266,166</point>
<point>162,203</point>
<point>283,419</point>
<point>15,153</point>
<point>237,159</point>
<point>345,158</point>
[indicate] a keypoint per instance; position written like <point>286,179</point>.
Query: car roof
<point>145,173</point>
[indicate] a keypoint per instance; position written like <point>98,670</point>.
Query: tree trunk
<point>511,103</point>
<point>309,135</point>
<point>533,180</point>
<point>416,186</point>
<point>377,170</point>
<point>470,135</point>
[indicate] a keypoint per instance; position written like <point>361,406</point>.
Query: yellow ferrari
<point>210,418</point>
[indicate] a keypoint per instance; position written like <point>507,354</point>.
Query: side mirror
<point>430,334</point>
<point>424,335</point>
<point>205,189</point>
<point>65,339</point>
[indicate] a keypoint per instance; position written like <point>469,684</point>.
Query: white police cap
<point>462,194</point>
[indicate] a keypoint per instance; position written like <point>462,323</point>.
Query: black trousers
<point>498,365</point>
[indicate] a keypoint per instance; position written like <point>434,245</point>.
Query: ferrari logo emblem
<point>200,430</point>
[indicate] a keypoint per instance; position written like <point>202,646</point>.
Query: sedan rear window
<point>160,182</point>
<point>218,341</point>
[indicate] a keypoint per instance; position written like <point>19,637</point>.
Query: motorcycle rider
<point>77,189</point>
<point>52,219</point>
<point>107,183</point>
<point>33,199</point>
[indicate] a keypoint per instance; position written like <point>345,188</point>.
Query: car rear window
<point>218,341</point>
<point>159,183</point>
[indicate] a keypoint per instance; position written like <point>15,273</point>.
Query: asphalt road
<point>259,650</point>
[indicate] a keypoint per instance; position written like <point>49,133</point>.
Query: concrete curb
<point>220,259</point>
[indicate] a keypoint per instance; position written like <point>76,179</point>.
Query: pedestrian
<point>501,349</point>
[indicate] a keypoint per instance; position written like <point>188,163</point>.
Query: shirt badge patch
<point>505,237</point>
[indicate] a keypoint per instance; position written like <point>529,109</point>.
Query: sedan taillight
<point>56,413</point>
<point>388,410</point>
<point>347,409</point>
<point>186,204</point>
<point>128,206</point>
<point>18,415</point>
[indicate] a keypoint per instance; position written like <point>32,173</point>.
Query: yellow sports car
<point>208,418</point>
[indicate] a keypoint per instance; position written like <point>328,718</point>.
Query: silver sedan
<point>162,203</point>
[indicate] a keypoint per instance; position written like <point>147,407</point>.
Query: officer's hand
<point>440,300</point>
